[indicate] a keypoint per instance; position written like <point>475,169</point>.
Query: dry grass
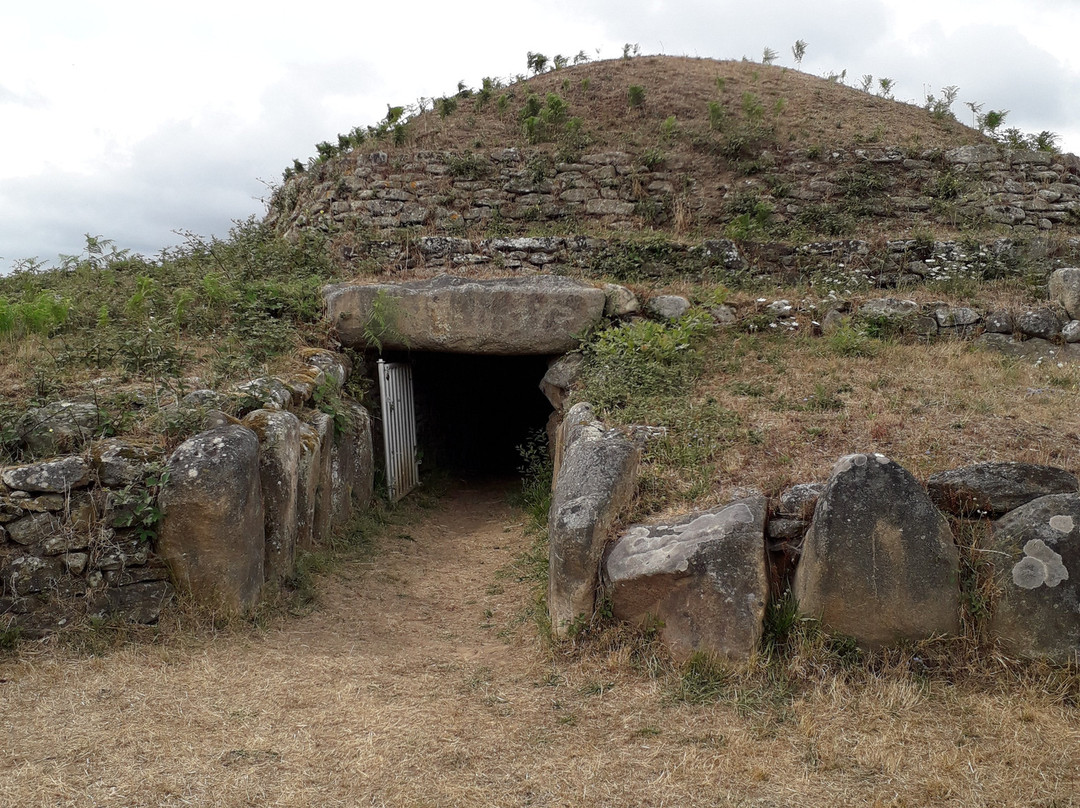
<point>421,681</point>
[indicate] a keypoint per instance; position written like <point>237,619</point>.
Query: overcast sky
<point>134,120</point>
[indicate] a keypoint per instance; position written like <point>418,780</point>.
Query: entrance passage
<point>473,412</point>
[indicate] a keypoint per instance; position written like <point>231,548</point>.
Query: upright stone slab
<point>322,524</point>
<point>878,562</point>
<point>307,485</point>
<point>279,473</point>
<point>352,467</point>
<point>1064,288</point>
<point>211,534</point>
<point>595,481</point>
<point>1036,556</point>
<point>702,576</point>
<point>540,314</point>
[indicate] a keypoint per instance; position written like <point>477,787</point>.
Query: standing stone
<point>595,481</point>
<point>1065,289</point>
<point>352,467</point>
<point>1036,556</point>
<point>996,488</point>
<point>307,485</point>
<point>323,425</point>
<point>279,471</point>
<point>701,576</point>
<point>878,563</point>
<point>211,534</point>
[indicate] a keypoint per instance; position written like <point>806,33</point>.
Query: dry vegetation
<point>421,680</point>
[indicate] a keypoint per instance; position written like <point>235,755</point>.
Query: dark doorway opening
<point>473,412</point>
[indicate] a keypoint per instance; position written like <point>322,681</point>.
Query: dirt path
<point>419,681</point>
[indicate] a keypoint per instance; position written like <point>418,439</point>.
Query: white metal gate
<point>399,428</point>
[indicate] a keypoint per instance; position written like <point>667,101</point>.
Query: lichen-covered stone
<point>352,466</point>
<point>62,426</point>
<point>560,378</point>
<point>543,314</point>
<point>50,477</point>
<point>121,462</point>
<point>322,515</point>
<point>619,301</point>
<point>996,488</point>
<point>211,534</point>
<point>1041,323</point>
<point>265,393</point>
<point>667,307</point>
<point>1064,288</point>
<point>701,578</point>
<point>878,563</point>
<point>1035,550</point>
<point>279,471</point>
<point>595,481</point>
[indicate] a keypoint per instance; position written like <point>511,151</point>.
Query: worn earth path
<point>421,680</point>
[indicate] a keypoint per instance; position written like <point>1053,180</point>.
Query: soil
<point>421,680</point>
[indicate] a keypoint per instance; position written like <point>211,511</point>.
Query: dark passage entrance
<point>473,412</point>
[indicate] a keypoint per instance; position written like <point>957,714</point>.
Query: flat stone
<point>543,314</point>
<point>1034,349</point>
<point>878,563</point>
<point>1035,550</point>
<point>121,462</point>
<point>996,488</point>
<point>50,477</point>
<point>700,577</point>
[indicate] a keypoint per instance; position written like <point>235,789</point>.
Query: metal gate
<point>399,428</point>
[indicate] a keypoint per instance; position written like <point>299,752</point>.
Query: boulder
<point>540,314</point>
<point>878,563</point>
<point>140,602</point>
<point>50,477</point>
<point>120,462</point>
<point>279,473</point>
<point>996,488</point>
<point>212,530</point>
<point>335,366</point>
<point>596,475</point>
<point>1064,288</point>
<point>1038,350</point>
<point>62,426</point>
<point>560,378</point>
<point>888,309</point>
<point>800,500</point>
<point>1070,332</point>
<point>998,322</point>
<point>1041,323</point>
<point>667,307</point>
<point>619,301</point>
<point>1035,550</point>
<point>701,577</point>
<point>265,393</point>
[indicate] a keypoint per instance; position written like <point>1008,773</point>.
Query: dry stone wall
<point>81,534</point>
<point>447,192</point>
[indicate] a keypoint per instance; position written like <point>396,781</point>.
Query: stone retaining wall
<point>1025,192</point>
<point>81,535</point>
